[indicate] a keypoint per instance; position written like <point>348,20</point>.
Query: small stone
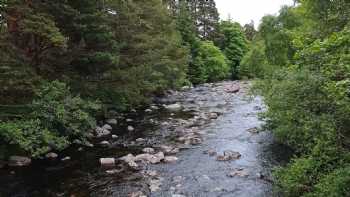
<point>105,143</point>
<point>253,130</point>
<point>112,121</point>
<point>107,162</point>
<point>131,128</point>
<point>65,159</point>
<point>19,161</point>
<point>107,127</point>
<point>114,137</point>
<point>148,110</point>
<point>213,115</point>
<point>154,107</point>
<point>148,150</point>
<point>101,132</point>
<point>111,172</point>
<point>174,107</point>
<point>51,155</point>
<point>140,140</point>
<point>239,173</point>
<point>129,120</point>
<point>232,154</point>
<point>170,159</point>
<point>80,149</point>
<point>88,144</point>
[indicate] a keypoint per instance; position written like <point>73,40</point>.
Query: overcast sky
<point>243,11</point>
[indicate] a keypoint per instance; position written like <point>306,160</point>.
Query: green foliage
<point>234,45</point>
<point>254,63</point>
<point>57,118</point>
<point>209,65</point>
<point>307,93</point>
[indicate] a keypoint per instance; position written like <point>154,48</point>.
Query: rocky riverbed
<point>202,141</point>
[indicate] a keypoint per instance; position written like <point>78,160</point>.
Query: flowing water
<point>194,174</point>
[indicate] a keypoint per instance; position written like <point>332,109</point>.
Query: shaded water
<point>194,174</point>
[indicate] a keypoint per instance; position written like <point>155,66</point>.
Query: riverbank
<point>209,136</point>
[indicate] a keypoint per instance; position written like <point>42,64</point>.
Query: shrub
<point>56,120</point>
<point>209,64</point>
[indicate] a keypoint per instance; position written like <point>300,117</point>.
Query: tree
<point>249,31</point>
<point>233,43</point>
<point>209,65</point>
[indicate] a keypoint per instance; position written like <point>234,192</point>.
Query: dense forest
<point>302,57</point>
<point>63,64</point>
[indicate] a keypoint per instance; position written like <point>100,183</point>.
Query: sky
<point>243,11</point>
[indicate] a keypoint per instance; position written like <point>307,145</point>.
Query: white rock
<point>114,136</point>
<point>129,120</point>
<point>19,161</point>
<point>107,162</point>
<point>148,150</point>
<point>101,132</point>
<point>51,155</point>
<point>140,140</point>
<point>174,107</point>
<point>170,159</point>
<point>148,110</point>
<point>213,115</point>
<point>112,121</point>
<point>65,159</point>
<point>105,143</point>
<point>148,158</point>
<point>107,127</point>
<point>131,128</point>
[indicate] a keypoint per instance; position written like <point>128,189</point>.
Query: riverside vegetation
<point>64,63</point>
<point>302,59</point>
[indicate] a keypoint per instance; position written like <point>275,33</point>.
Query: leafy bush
<point>56,120</point>
<point>254,63</point>
<point>209,64</point>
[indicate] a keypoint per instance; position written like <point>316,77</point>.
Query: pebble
<point>131,128</point>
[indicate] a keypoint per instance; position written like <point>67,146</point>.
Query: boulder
<point>232,89</point>
<point>169,150</point>
<point>148,150</point>
<point>19,161</point>
<point>131,128</point>
<point>114,137</point>
<point>213,115</point>
<point>66,159</point>
<point>174,107</point>
<point>253,130</point>
<point>101,132</point>
<point>130,160</point>
<point>229,155</point>
<point>107,162</point>
<point>170,159</point>
<point>239,173</point>
<point>107,127</point>
<point>51,155</point>
<point>140,140</point>
<point>112,121</point>
<point>148,110</point>
<point>129,120</point>
<point>149,158</point>
<point>105,143</point>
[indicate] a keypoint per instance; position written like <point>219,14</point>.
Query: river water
<point>195,173</point>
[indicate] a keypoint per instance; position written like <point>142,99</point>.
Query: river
<point>219,121</point>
